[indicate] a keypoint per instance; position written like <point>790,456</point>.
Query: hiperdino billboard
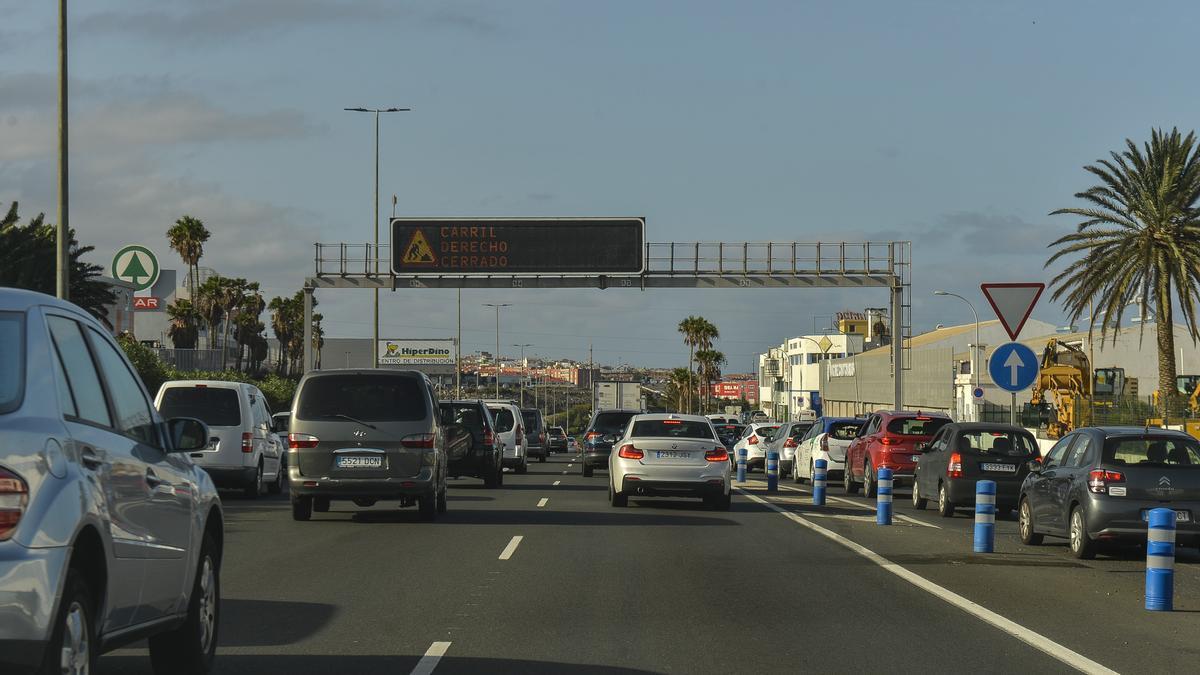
<point>416,352</point>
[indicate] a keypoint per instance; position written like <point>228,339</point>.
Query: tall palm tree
<point>691,328</point>
<point>231,295</point>
<point>710,362</point>
<point>183,331</point>
<point>282,324</point>
<point>207,302</point>
<point>246,319</point>
<point>680,384</point>
<point>1140,241</point>
<point>186,237</point>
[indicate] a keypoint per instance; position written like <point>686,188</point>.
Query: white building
<point>789,375</point>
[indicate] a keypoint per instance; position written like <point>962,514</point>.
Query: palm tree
<point>680,384</point>
<point>283,326</point>
<point>183,331</point>
<point>710,362</point>
<point>231,295</point>
<point>1140,241</point>
<point>691,329</point>
<point>246,319</point>
<point>207,302</point>
<point>186,237</point>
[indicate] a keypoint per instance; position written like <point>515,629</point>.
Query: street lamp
<point>524,371</point>
<point>974,348</point>
<point>496,357</point>
<point>375,322</point>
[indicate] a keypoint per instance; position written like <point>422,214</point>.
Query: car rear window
<point>672,429</point>
<point>530,417</point>
<point>843,431</point>
<point>371,398</point>
<point>215,406</point>
<point>12,360</point>
<point>470,416</point>
<point>557,432</point>
<point>916,426</point>
<point>503,418</point>
<point>1001,443</point>
<point>1156,451</point>
<point>765,431</point>
<point>612,422</point>
<point>799,430</point>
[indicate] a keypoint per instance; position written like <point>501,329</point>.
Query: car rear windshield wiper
<point>353,419</point>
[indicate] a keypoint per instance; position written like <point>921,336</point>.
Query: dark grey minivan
<point>365,436</point>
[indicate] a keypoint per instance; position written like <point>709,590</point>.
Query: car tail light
<point>627,451</point>
<point>717,455</point>
<point>1099,479</point>
<point>520,435</point>
<point>591,435</point>
<point>825,444</point>
<point>419,441</point>
<point>954,468</point>
<point>541,438</point>
<point>753,440</point>
<point>247,441</point>
<point>488,437</point>
<point>14,495</point>
<point>889,440</point>
<point>297,441</point>
<point>789,443</point>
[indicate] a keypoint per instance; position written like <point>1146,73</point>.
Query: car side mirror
<point>1035,465</point>
<point>922,447</point>
<point>187,434</point>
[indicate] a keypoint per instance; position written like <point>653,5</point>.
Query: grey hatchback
<point>365,436</point>
<point>108,532</point>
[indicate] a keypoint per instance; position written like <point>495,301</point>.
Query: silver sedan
<point>669,455</point>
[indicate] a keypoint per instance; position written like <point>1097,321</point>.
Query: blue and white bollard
<point>1160,561</point>
<point>772,471</point>
<point>985,516</point>
<point>819,474</point>
<point>741,465</point>
<point>883,497</point>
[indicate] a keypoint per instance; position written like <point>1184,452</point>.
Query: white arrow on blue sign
<point>1013,367</point>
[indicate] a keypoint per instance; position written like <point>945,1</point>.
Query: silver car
<point>108,532</point>
<point>669,455</point>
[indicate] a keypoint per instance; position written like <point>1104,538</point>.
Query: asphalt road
<point>666,586</point>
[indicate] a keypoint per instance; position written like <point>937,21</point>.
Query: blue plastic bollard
<point>985,516</point>
<point>741,465</point>
<point>1160,561</point>
<point>883,497</point>
<point>819,476</point>
<point>772,471</point>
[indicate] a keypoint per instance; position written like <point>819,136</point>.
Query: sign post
<point>1013,303</point>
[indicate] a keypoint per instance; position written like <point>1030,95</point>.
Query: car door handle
<point>90,459</point>
<point>153,480</point>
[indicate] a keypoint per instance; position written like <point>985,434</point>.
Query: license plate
<point>1180,516</point>
<point>359,462</point>
<point>672,454</point>
<point>999,468</point>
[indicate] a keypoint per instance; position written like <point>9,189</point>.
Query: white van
<point>243,450</point>
<point>510,428</point>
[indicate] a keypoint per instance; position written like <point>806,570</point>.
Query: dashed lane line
<point>511,548</point>
<point>842,500</point>
<point>557,482</point>
<point>430,660</point>
<point>542,501</point>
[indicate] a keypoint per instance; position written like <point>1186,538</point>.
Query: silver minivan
<point>109,533</point>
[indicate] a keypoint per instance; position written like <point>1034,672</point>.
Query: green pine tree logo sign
<point>136,265</point>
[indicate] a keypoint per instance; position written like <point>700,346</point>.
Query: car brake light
<point>14,496</point>
<point>717,455</point>
<point>753,440</point>
<point>1099,479</point>
<point>954,468</point>
<point>789,443</point>
<point>591,434</point>
<point>421,441</point>
<point>627,451</point>
<point>488,437</point>
<point>520,435</point>
<point>889,440</point>
<point>297,441</point>
<point>247,441</point>
<point>671,422</point>
<point>825,444</point>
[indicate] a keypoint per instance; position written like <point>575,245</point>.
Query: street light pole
<point>974,354</point>
<point>62,261</point>
<point>496,356</point>
<point>524,371</point>
<point>375,321</point>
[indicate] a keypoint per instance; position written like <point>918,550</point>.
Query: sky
<point>952,124</point>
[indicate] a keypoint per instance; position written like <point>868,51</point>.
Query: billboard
<point>417,353</point>
<point>623,395</point>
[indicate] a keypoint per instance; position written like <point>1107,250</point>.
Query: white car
<point>510,429</point>
<point>827,439</point>
<point>669,455</point>
<point>785,441</point>
<point>243,451</point>
<point>753,439</point>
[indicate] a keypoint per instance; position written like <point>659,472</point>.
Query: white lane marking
<point>430,660</point>
<point>570,465</point>
<point>511,548</point>
<point>1039,642</point>
<point>842,500</point>
<point>564,473</point>
<point>557,482</point>
<point>542,502</point>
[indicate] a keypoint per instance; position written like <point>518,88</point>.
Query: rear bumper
<point>231,476</point>
<point>668,488</point>
<point>349,488</point>
<point>962,492</point>
<point>474,465</point>
<point>536,450</point>
<point>596,458</point>
<point>1112,518</point>
<point>31,584</point>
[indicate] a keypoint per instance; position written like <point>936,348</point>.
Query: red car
<point>889,438</point>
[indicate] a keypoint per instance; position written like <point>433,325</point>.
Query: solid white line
<point>1039,642</point>
<point>543,501</point>
<point>511,548</point>
<point>430,660</point>
<point>898,516</point>
<point>557,482</point>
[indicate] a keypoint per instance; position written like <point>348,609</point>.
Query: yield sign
<point>1013,303</point>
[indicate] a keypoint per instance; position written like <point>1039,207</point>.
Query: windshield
<point>611,422</point>
<point>916,426</point>
<point>1005,443</point>
<point>370,398</point>
<point>843,431</point>
<point>672,429</point>
<point>12,360</point>
<point>1152,451</point>
<point>215,406</point>
<point>503,418</point>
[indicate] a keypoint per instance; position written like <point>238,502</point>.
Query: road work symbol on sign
<point>1013,367</point>
<point>418,251</point>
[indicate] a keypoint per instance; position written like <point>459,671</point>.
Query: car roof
<point>623,410</point>
<point>987,426</point>
<point>671,416</point>
<point>912,413</point>
<point>211,384</point>
<point>386,372</point>
<point>1136,431</point>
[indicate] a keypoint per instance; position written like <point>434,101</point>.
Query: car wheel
<point>427,507</point>
<point>72,646</point>
<point>945,506</point>
<point>441,501</point>
<point>190,648</point>
<point>524,466</point>
<point>919,502</point>
<point>720,502</point>
<point>302,508</point>
<point>616,498</point>
<point>542,458</point>
<point>321,504</point>
<point>1082,545</point>
<point>587,470</point>
<point>254,488</point>
<point>276,486</point>
<point>1025,524</point>
<point>492,480</point>
<point>848,481</point>
<point>869,486</point>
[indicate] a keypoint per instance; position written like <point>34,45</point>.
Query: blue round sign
<point>1013,367</point>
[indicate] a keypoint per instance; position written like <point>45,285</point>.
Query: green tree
<point>1139,241</point>
<point>208,302</point>
<point>28,258</point>
<point>710,362</point>
<point>186,237</point>
<point>183,330</point>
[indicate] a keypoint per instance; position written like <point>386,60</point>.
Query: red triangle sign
<point>1012,303</point>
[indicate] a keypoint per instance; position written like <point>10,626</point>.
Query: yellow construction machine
<point>1188,386</point>
<point>1067,389</point>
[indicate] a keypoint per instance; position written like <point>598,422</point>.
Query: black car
<point>729,435</point>
<point>961,454</point>
<point>480,455</point>
<point>535,434</point>
<point>558,439</point>
<point>604,429</point>
<point>1098,484</point>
